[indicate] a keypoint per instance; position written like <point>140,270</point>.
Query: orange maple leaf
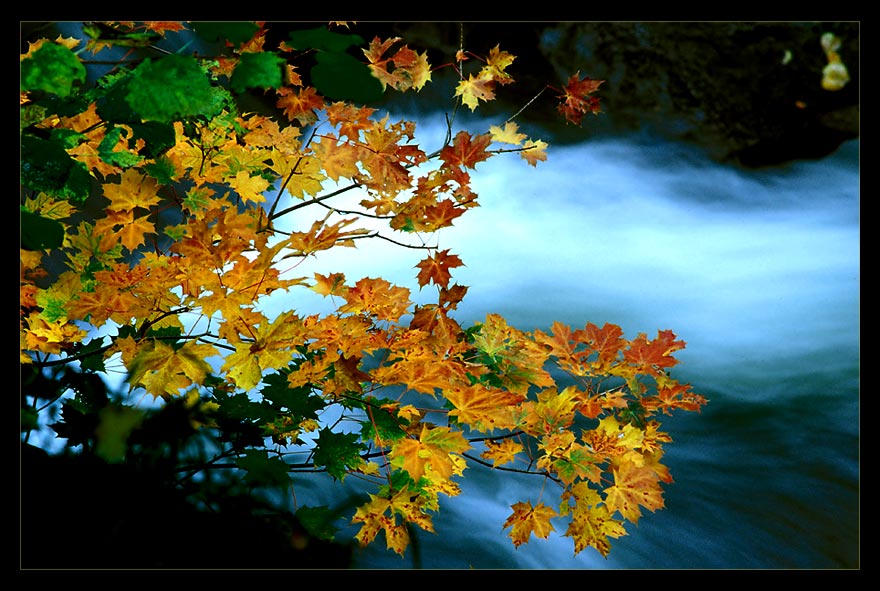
<point>131,235</point>
<point>432,455</point>
<point>300,106</point>
<point>652,356</point>
<point>338,160</point>
<point>435,268</point>
<point>378,298</point>
<point>466,151</point>
<point>483,408</point>
<point>527,520</point>
<point>634,486</point>
<point>410,69</point>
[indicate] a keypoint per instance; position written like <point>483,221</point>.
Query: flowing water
<point>758,271</point>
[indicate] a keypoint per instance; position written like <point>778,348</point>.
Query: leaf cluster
<point>159,216</point>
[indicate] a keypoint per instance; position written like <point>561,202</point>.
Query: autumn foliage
<point>151,213</point>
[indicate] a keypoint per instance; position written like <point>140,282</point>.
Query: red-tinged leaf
<point>576,99</point>
<point>527,520</point>
<point>435,268</point>
<point>466,151</point>
<point>653,356</point>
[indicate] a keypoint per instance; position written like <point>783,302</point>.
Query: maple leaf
<point>466,151</point>
<point>552,411</point>
<point>134,189</point>
<point>527,520</point>
<point>350,118</point>
<point>249,188</point>
<point>410,70</point>
<point>300,106</point>
<point>483,408</point>
<point>591,521</point>
<point>652,356</point>
<point>496,63</point>
<point>332,284</point>
<point>534,151</point>
<point>323,236</point>
<point>435,268</point>
<point>162,370</point>
<point>575,98</point>
<point>508,135</point>
<point>372,516</point>
<point>503,452</point>
<point>132,233</point>
<point>634,486</point>
<point>475,89</point>
<point>337,160</point>
<point>569,459</point>
<point>378,298</point>
<point>431,455</point>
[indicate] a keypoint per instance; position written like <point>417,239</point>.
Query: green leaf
<point>106,34</point>
<point>257,70</point>
<point>30,419</point>
<point>115,424</point>
<point>47,167</point>
<point>318,521</point>
<point>67,138</point>
<point>170,88</point>
<point>339,76</point>
<point>240,406</point>
<point>299,402</point>
<point>162,170</point>
<point>382,425</point>
<point>323,39</point>
<point>337,451</point>
<point>107,153</point>
<point>39,233</point>
<point>91,359</point>
<point>158,137</point>
<point>263,470</point>
<point>234,32</point>
<point>52,68</point>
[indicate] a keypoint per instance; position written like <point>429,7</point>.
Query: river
<point>757,270</point>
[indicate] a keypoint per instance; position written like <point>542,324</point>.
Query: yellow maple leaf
<point>507,135</point>
<point>533,151</point>
<point>249,188</point>
<point>475,89</point>
<point>133,190</point>
<point>592,526</point>
<point>431,455</point>
<point>304,174</point>
<point>496,63</point>
<point>503,452</point>
<point>132,233</point>
<point>338,160</point>
<point>527,520</point>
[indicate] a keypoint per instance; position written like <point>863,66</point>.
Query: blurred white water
<point>759,271</point>
<point>745,266</point>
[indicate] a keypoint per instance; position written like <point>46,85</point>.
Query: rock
<point>750,93</point>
